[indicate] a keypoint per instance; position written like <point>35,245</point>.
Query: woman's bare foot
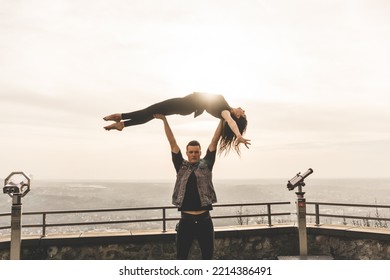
<point>118,126</point>
<point>113,117</point>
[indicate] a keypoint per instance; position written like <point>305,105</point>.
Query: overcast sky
<point>313,77</point>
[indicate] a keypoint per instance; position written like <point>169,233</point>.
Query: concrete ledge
<point>220,232</point>
<point>350,232</point>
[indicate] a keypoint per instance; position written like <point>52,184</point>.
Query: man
<point>193,193</point>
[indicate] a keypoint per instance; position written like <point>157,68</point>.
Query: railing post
<point>269,214</point>
<point>44,224</point>
<point>164,221</point>
<point>317,211</point>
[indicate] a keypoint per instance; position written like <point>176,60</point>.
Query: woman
<point>235,119</point>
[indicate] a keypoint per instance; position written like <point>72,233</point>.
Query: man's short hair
<point>193,143</point>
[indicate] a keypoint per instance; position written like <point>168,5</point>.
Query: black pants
<point>181,105</point>
<point>193,227</point>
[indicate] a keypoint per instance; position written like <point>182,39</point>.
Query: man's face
<point>193,154</point>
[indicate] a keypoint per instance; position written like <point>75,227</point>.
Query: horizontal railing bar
<point>96,210</point>
<point>349,217</point>
<point>348,204</point>
<point>98,223</point>
<point>139,208</point>
<point>250,204</point>
<point>250,215</point>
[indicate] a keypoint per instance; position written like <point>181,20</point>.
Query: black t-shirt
<point>191,201</point>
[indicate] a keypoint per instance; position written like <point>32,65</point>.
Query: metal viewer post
<point>298,181</point>
<point>16,185</point>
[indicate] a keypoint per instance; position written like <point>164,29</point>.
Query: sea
<point>58,195</point>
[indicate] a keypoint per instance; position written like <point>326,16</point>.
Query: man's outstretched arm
<point>217,134</point>
<point>168,132</point>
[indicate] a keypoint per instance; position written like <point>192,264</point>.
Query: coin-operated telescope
<point>16,185</point>
<point>298,181</point>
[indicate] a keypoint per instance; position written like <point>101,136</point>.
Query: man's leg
<point>205,234</point>
<point>184,238</point>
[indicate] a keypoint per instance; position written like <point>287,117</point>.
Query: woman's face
<point>240,113</point>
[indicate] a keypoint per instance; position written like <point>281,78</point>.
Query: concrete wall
<point>239,242</point>
<point>349,243</point>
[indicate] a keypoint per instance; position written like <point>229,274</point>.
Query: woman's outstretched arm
<point>233,126</point>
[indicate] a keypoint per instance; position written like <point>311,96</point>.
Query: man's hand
<point>159,116</point>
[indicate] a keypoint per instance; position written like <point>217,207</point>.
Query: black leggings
<point>181,105</point>
<point>192,227</point>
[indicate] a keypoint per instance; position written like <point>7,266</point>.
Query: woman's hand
<point>244,141</point>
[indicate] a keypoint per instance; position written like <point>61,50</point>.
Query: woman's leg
<point>117,125</point>
<point>168,107</point>
<point>181,105</point>
<point>113,117</point>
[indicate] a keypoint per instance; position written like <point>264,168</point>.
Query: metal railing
<point>163,218</point>
<point>319,214</point>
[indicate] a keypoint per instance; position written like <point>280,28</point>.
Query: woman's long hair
<point>228,138</point>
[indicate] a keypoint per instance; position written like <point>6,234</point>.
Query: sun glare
<point>215,66</point>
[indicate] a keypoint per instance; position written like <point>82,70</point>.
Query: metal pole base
<point>16,227</point>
